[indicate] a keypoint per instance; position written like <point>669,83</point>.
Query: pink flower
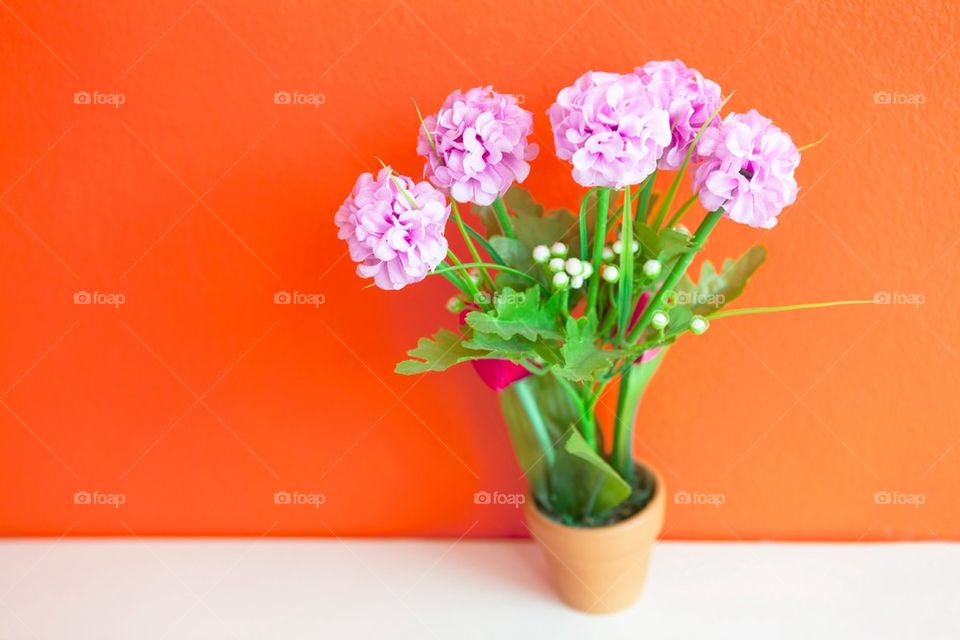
<point>395,237</point>
<point>611,127</point>
<point>477,145</point>
<point>691,99</point>
<point>748,169</point>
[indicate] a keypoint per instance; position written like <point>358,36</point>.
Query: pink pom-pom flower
<point>395,237</point>
<point>748,169</point>
<point>477,145</point>
<point>611,127</point>
<point>691,100</point>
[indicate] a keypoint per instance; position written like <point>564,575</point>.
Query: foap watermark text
<point>899,98</point>
<point>299,98</point>
<point>899,498</point>
<point>99,498</point>
<point>496,498</point>
<point>697,498</point>
<point>299,298</point>
<point>899,297</point>
<point>99,98</point>
<point>100,298</point>
<point>299,498</point>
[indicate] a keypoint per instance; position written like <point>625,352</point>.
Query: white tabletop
<point>156,588</point>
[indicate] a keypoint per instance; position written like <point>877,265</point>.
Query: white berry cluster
<point>567,272</point>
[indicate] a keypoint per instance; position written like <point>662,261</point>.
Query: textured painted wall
<point>198,198</point>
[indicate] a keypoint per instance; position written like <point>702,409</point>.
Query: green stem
<point>494,255</point>
<point>696,244</point>
<point>456,281</point>
<point>790,307</point>
<point>535,417</point>
<point>488,265</point>
<point>584,249</point>
<point>610,316</point>
<point>678,216</point>
<point>625,286</point>
<point>503,217</point>
<point>622,455</point>
<point>471,289</point>
<point>599,234</point>
<point>643,203</point>
<point>470,246</point>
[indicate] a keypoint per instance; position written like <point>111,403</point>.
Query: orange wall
<point>198,198</point>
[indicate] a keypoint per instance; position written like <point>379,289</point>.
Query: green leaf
<point>582,358</point>
<point>489,248</point>
<point>583,484</point>
<point>514,349</point>
<point>633,386</point>
<point>518,201</point>
<point>714,290</point>
<point>538,414</point>
<point>665,245</point>
<point>531,225</point>
<point>519,313</point>
<point>570,480</point>
<point>444,350</point>
<point>517,255</point>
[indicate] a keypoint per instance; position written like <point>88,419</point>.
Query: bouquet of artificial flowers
<point>554,306</point>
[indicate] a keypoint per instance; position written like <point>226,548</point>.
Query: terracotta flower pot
<point>600,569</point>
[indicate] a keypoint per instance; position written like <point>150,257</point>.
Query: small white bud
<point>636,245</point>
<point>541,253</point>
<point>652,268</point>
<point>607,254</point>
<point>682,229</point>
<point>574,267</point>
<point>475,277</point>
<point>611,273</point>
<point>576,282</point>
<point>454,305</point>
<point>699,325</point>
<point>618,246</point>
<point>561,280</point>
<point>660,320</point>
<point>556,264</point>
<point>559,249</point>
<point>587,269</point>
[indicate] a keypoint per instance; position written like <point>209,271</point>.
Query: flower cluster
<point>611,127</point>
<point>394,228</point>
<point>476,146</point>
<point>690,99</point>
<point>748,169</point>
<point>615,129</point>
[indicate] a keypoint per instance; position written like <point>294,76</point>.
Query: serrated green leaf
<point>515,349</point>
<point>519,313</point>
<point>444,350</point>
<point>715,290</point>
<point>582,358</point>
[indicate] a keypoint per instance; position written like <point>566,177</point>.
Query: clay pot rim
<point>649,510</point>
